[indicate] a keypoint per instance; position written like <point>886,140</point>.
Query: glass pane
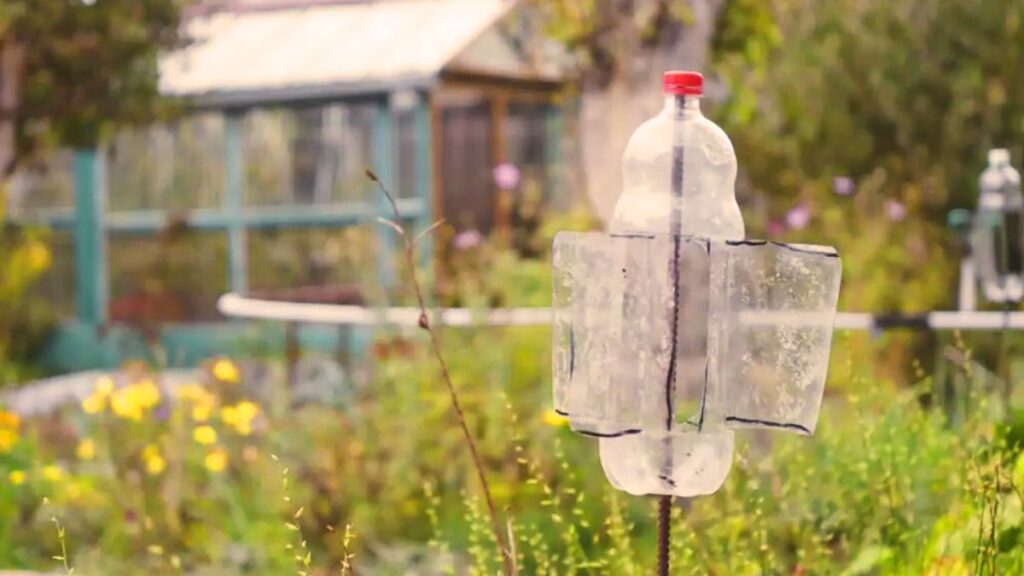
<point>56,286</point>
<point>177,166</point>
<point>405,125</point>
<point>283,260</point>
<point>467,166</point>
<point>315,155</point>
<point>526,148</point>
<point>42,186</point>
<point>175,276</point>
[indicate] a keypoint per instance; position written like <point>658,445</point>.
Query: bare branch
<point>507,559</point>
<point>393,225</point>
<point>428,231</point>
<point>387,194</point>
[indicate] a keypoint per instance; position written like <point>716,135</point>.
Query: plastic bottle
<point>997,234</point>
<point>657,196</point>
<point>679,175</point>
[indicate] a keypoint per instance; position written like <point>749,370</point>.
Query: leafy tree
<point>70,72</point>
<point>79,68</point>
<point>620,48</point>
<point>901,100</point>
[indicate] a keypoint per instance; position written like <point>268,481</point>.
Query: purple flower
<point>843,186</point>
<point>162,412</point>
<point>774,228</point>
<point>506,176</point>
<point>467,239</point>
<point>798,217</point>
<point>894,210</point>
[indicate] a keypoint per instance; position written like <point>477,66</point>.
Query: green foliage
<point>885,487</point>
<point>604,37</point>
<point>24,320</point>
<point>496,274</point>
<point>902,98</point>
<point>88,66</point>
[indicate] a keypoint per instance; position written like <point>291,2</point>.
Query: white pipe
<point>237,306</point>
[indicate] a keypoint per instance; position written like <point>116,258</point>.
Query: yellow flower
<point>94,404</point>
<point>155,465</point>
<point>38,256</point>
<point>150,450</point>
<point>154,462</point>
<point>225,371</point>
<point>9,420</point>
<point>204,435</point>
<point>146,394</point>
<point>203,402</point>
<point>17,477</point>
<point>97,401</point>
<point>53,473</point>
<point>132,402</point>
<point>72,491</point>
<point>191,391</point>
<point>248,410</point>
<point>201,412</point>
<point>188,391</point>
<point>86,449</point>
<point>244,428</point>
<point>9,423</point>
<point>7,439</point>
<point>123,403</point>
<point>216,461</point>
<point>104,386</point>
<point>240,416</point>
<point>552,418</point>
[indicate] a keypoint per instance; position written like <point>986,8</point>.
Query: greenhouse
<point>258,186</point>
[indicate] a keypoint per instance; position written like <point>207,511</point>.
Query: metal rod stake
<point>664,534</point>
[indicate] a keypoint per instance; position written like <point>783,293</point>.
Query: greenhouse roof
<point>256,52</point>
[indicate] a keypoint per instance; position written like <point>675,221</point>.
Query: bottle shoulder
<point>656,137</point>
<point>995,178</point>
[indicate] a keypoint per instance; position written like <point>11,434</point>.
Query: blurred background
<point>158,154</point>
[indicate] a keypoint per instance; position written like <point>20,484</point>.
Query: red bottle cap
<point>682,82</point>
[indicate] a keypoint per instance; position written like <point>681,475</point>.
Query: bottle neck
<point>683,106</point>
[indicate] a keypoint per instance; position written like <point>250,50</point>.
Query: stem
<point>435,345</point>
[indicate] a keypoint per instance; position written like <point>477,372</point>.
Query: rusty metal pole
<point>664,534</point>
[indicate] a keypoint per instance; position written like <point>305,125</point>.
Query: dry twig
<point>409,245</point>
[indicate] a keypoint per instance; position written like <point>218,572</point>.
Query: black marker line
<point>767,423</point>
<point>629,432</point>
<point>572,352</point>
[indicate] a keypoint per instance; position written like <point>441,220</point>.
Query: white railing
<point>236,306</point>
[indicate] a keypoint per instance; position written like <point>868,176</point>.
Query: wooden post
<point>502,199</point>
